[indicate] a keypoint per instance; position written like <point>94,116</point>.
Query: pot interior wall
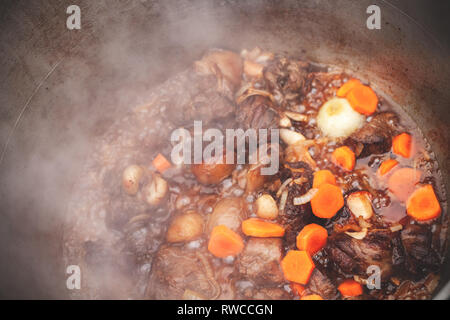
<point>59,89</point>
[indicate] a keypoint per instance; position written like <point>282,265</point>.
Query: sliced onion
<point>296,116</point>
<point>396,228</point>
<point>285,183</point>
<point>306,197</point>
<point>283,200</point>
<point>291,137</point>
<point>358,235</point>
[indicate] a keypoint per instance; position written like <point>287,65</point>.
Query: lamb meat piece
<point>320,284</point>
<point>350,256</point>
<point>256,112</point>
<point>176,269</point>
<point>375,137</point>
<point>260,261</point>
<point>294,218</point>
<point>420,258</point>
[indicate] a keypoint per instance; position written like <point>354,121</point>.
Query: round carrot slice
<point>363,99</point>
<point>387,166</point>
<point>224,242</point>
<point>346,87</point>
<point>297,266</point>
<point>423,204</point>
<point>259,228</point>
<point>403,182</point>
<point>350,288</point>
<point>312,238</point>
<point>402,145</point>
<point>323,176</point>
<point>344,157</point>
<point>327,201</point>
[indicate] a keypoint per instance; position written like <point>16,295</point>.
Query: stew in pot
<point>354,210</point>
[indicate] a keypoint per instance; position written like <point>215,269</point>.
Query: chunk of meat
<point>260,261</point>
<point>176,269</point>
<point>226,66</point>
<point>351,256</point>
<point>375,136</point>
<point>294,218</point>
<point>256,113</point>
<point>320,284</point>
<point>420,257</point>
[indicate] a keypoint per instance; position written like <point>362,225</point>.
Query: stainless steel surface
<point>59,89</point>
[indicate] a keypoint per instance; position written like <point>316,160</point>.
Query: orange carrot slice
<point>346,87</point>
<point>350,288</point>
<point>344,157</point>
<point>254,227</point>
<point>312,297</point>
<point>224,242</point>
<point>323,176</point>
<point>363,99</point>
<point>402,145</point>
<point>403,182</point>
<point>161,163</point>
<point>327,201</point>
<point>386,166</point>
<point>297,266</point>
<point>423,204</point>
<point>312,238</point>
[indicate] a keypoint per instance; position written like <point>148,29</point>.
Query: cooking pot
<point>61,88</point>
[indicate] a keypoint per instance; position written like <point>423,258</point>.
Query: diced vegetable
<point>403,181</point>
<point>358,235</point>
<point>224,242</point>
<point>185,227</point>
<point>254,227</point>
<point>297,289</point>
<point>312,238</point>
<point>161,163</point>
<point>131,177</point>
<point>323,176</point>
<point>311,297</point>
<point>386,166</point>
<point>344,157</point>
<point>363,99</point>
<point>297,266</point>
<point>360,205</point>
<point>350,288</point>
<point>327,201</point>
<point>266,207</point>
<point>402,145</point>
<point>336,118</point>
<point>423,204</point>
<point>346,87</point>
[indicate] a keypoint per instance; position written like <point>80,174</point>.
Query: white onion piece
<point>296,116</point>
<point>396,228</point>
<point>285,122</point>
<point>291,137</point>
<point>358,235</point>
<point>360,205</point>
<point>285,183</point>
<point>306,197</point>
<point>283,200</point>
<point>337,118</point>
